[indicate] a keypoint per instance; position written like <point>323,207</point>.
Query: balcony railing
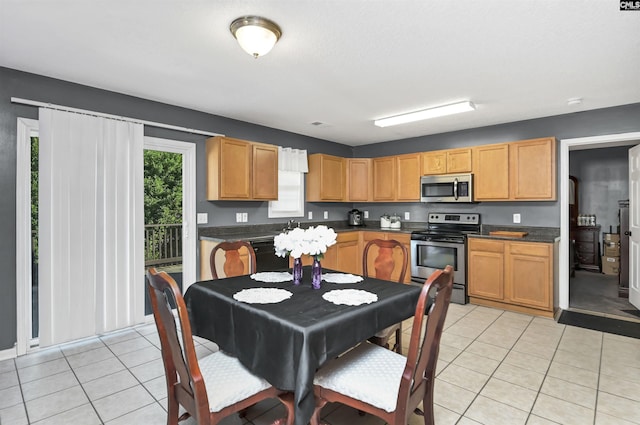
<point>162,244</point>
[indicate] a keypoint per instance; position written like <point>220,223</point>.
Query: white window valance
<point>290,159</point>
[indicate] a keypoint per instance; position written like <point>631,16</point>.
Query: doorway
<point>170,230</point>
<point>586,290</point>
<point>26,278</point>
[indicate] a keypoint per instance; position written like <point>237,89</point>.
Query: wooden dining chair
<point>384,383</point>
<point>211,388</point>
<point>233,264</point>
<point>384,265</point>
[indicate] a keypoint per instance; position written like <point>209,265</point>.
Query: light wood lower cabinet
<point>512,275</point>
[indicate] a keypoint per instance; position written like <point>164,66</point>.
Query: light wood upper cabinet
<point>434,162</point>
<point>359,180</point>
<point>241,170</point>
<point>491,172</point>
<point>516,171</point>
<point>326,180</point>
<point>533,170</point>
<point>409,171</point>
<point>384,178</point>
<point>447,161</point>
<point>459,161</point>
<point>265,171</point>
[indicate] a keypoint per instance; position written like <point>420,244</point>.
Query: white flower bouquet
<point>313,241</point>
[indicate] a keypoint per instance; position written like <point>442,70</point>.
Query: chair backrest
<point>384,263</point>
<point>425,342</point>
<point>182,371</point>
<point>233,265</point>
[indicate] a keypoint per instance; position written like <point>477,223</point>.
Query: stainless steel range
<point>442,243</point>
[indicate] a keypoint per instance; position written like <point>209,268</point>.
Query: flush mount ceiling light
<point>256,35</point>
<point>439,111</point>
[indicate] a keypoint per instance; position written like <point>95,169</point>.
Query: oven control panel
<point>454,218</point>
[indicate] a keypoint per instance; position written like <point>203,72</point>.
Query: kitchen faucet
<point>291,223</point>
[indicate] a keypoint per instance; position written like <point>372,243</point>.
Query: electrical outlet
<point>245,217</point>
<point>238,217</point>
<point>516,218</point>
<point>366,214</point>
<point>326,215</point>
<point>202,218</point>
<point>407,215</point>
<point>310,215</point>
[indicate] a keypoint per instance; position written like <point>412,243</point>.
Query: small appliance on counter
<point>356,218</point>
<point>390,221</point>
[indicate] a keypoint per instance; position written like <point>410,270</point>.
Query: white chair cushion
<point>227,381</point>
<point>367,373</point>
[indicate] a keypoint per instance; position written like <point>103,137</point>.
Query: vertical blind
<point>91,222</point>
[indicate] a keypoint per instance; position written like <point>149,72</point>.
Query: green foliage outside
<point>162,187</point>
<point>162,196</point>
<point>162,203</point>
<point>34,185</point>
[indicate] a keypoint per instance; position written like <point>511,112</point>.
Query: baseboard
<point>9,353</point>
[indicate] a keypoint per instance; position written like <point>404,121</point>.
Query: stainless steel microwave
<point>453,188</point>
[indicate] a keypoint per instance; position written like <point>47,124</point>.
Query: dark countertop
<point>257,232</point>
<point>535,234</point>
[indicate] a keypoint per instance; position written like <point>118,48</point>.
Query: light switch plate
<point>326,215</point>
<point>516,218</point>
<point>407,215</point>
<point>238,217</point>
<point>245,217</point>
<point>310,215</point>
<point>366,214</point>
<point>202,218</point>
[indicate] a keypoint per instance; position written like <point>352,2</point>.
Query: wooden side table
<point>587,245</point>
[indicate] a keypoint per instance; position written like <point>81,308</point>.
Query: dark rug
<point>632,312</point>
<point>599,323</point>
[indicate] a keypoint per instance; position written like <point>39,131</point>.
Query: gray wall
<point>603,180</point>
<point>19,84</point>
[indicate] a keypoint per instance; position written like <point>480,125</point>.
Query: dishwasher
<point>266,258</point>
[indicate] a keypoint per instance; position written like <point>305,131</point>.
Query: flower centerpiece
<point>313,241</point>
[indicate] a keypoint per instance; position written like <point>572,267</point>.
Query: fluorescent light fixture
<point>439,111</point>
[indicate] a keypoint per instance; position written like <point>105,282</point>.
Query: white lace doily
<point>341,278</point>
<point>262,295</point>
<point>350,297</point>
<point>272,276</point>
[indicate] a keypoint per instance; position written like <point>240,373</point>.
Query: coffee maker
<point>356,218</point>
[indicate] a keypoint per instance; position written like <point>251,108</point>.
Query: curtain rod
<point>116,117</point>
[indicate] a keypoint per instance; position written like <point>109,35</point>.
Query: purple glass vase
<point>316,274</point>
<point>297,271</point>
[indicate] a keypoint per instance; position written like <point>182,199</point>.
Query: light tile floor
<point>495,367</point>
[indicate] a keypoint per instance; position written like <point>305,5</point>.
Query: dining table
<point>284,332</point>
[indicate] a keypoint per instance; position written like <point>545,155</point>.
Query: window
<point>292,164</point>
<point>290,201</point>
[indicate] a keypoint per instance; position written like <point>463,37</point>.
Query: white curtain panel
<point>91,225</point>
<point>290,159</point>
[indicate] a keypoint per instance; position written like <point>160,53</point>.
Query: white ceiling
<point>340,62</point>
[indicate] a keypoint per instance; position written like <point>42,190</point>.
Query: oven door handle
<point>455,188</point>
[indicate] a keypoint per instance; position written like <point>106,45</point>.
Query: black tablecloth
<point>286,342</point>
